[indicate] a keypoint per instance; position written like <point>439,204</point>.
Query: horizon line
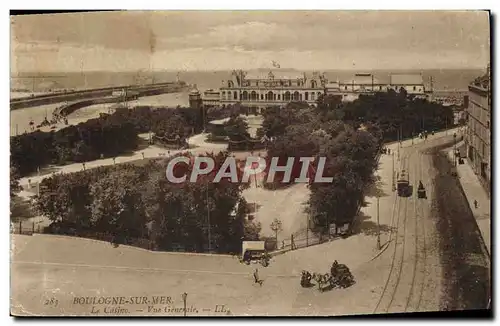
<point>251,69</point>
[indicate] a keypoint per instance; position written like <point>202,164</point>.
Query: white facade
<point>270,89</point>
<point>412,84</point>
<point>479,127</point>
<point>280,87</point>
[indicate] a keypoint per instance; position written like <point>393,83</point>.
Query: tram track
<point>402,292</point>
<point>393,268</point>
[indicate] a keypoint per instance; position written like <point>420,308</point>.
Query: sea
<point>443,79</point>
<point>25,84</point>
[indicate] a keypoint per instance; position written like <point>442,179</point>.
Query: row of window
<point>270,96</point>
<point>298,82</point>
<point>479,100</point>
<point>481,147</point>
<point>478,112</point>
<point>347,87</point>
<point>482,131</point>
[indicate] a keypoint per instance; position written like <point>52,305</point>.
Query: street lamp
<point>393,173</point>
<point>184,297</point>
<point>378,212</point>
<point>455,148</point>
<point>378,222</point>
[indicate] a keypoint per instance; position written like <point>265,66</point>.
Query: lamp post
<point>378,222</point>
<point>393,173</point>
<point>377,194</point>
<point>455,148</point>
<point>184,297</point>
<point>208,220</point>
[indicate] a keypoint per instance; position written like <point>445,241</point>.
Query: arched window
<point>300,97</point>
<point>235,96</point>
<point>287,96</point>
<point>313,84</point>
<point>279,97</point>
<point>253,96</point>
<point>345,88</point>
<point>296,96</point>
<point>319,94</point>
<point>307,95</point>
<point>269,96</point>
<point>312,96</point>
<point>223,95</point>
<point>244,96</point>
<point>230,84</point>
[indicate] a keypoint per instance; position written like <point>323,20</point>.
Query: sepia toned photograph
<point>250,163</point>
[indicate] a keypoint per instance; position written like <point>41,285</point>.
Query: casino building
<point>279,87</point>
<point>261,90</point>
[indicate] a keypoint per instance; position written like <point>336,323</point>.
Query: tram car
<point>421,191</point>
<point>403,185</point>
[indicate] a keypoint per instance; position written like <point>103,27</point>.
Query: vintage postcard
<point>250,163</point>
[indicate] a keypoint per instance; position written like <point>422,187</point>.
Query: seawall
<point>99,93</point>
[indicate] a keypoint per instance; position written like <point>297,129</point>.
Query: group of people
<point>386,150</point>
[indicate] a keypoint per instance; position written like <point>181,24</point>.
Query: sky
<point>223,40</point>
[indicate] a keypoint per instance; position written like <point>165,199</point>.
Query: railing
<point>26,228</point>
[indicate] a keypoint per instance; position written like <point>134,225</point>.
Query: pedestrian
<point>256,277</point>
<point>475,203</point>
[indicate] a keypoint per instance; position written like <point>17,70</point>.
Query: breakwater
<point>100,93</point>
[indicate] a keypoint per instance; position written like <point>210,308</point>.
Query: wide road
<point>437,260</point>
<point>425,267</point>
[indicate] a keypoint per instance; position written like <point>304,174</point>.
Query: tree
<point>236,128</point>
<point>117,205</point>
<point>65,199</point>
<point>252,230</point>
<point>14,182</point>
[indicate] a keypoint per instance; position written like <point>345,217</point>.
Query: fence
<point>26,228</point>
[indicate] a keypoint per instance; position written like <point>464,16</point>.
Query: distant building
<point>366,83</point>
<point>195,100</point>
<point>279,87</point>
<point>413,84</point>
<point>361,83</point>
<point>271,88</point>
<point>478,138</point>
<point>211,97</point>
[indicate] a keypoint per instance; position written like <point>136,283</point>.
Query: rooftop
<point>483,81</point>
<point>277,73</point>
<point>362,79</point>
